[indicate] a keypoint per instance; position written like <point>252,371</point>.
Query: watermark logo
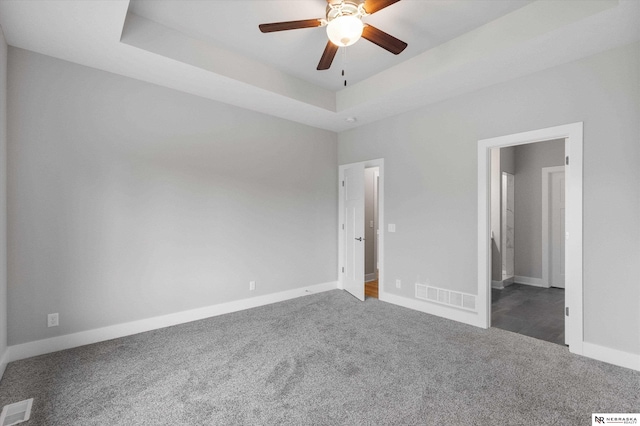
<point>615,418</point>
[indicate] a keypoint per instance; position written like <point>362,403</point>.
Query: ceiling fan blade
<point>384,40</point>
<point>289,25</point>
<point>327,56</point>
<point>372,6</point>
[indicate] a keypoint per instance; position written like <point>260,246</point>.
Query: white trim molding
<point>3,362</point>
<point>460,315</point>
<point>68,341</point>
<point>502,284</point>
<point>536,282</point>
<point>612,356</point>
<point>497,284</point>
<point>367,164</point>
<point>546,252</point>
<point>573,136</point>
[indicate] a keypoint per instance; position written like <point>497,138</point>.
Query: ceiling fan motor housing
<point>336,8</point>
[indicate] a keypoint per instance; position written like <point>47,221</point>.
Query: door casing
<point>546,223</point>
<point>573,135</point>
<point>341,237</point>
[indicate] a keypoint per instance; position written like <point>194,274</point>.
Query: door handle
<point>360,239</point>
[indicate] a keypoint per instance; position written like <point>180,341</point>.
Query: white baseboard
<point>501,284</point>
<point>536,282</point>
<point>370,277</point>
<point>612,356</point>
<point>589,350</point>
<point>40,347</point>
<point>467,317</point>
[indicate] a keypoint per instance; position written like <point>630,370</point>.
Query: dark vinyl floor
<point>532,311</point>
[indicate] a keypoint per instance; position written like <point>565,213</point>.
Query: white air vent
<point>456,299</point>
<point>446,297</point>
<point>443,296</point>
<point>421,291</point>
<point>432,293</point>
<point>13,414</point>
<point>469,301</point>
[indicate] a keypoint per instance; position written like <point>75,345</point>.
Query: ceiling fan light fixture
<point>345,30</point>
<point>343,19</point>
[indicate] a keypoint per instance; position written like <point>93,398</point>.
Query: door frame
<point>373,276</point>
<point>504,191</point>
<point>341,241</point>
<point>573,135</point>
<point>546,242</point>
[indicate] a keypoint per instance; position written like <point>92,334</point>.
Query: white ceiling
<point>233,25</point>
<point>213,49</point>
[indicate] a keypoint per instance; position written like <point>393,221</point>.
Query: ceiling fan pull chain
<point>344,63</point>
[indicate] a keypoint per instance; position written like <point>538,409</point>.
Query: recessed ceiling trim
<point>159,39</point>
<point>502,34</point>
<point>89,34</point>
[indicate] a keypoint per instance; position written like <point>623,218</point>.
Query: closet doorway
<point>573,309</point>
<point>372,231</point>
<point>361,217</point>
<point>529,181</point>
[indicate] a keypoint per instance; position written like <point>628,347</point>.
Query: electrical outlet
<point>52,320</point>
<point>252,285</point>
<point>398,283</point>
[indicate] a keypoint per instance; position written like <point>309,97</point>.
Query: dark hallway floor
<point>532,311</point>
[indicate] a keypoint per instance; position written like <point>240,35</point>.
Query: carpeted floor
<point>324,359</point>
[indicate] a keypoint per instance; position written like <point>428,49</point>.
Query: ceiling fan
<point>344,27</point>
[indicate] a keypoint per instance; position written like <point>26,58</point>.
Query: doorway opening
<point>527,196</point>
<point>371,232</point>
<point>573,308</point>
<point>361,217</point>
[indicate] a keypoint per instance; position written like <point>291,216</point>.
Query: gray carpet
<point>324,359</point>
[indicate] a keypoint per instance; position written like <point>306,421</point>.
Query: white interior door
<point>557,214</point>
<point>353,193</point>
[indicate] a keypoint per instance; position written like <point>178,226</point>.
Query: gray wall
<point>128,200</point>
<point>529,161</point>
<point>3,197</point>
<point>508,160</point>
<point>431,181</point>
